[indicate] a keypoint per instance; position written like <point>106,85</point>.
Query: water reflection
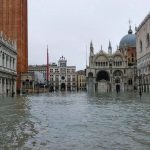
<point>76,121</point>
<point>16,127</point>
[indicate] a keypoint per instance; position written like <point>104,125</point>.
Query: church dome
<point>128,40</point>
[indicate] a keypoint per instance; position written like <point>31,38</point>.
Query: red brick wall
<point>14,24</point>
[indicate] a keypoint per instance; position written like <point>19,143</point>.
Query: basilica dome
<point>128,40</point>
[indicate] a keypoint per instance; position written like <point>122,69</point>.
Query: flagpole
<point>47,78</point>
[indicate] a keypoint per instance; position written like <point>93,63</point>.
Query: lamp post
<point>12,94</point>
<point>140,91</point>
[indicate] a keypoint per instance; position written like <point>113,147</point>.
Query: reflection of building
<point>13,23</point>
<point>113,72</point>
<point>81,80</point>
<point>143,52</point>
<point>62,77</point>
<point>8,61</point>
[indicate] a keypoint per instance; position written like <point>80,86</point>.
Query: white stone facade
<point>8,62</point>
<point>143,53</point>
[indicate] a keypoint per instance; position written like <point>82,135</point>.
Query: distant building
<point>61,76</point>
<point>113,71</point>
<point>40,69</point>
<point>8,62</point>
<point>81,80</point>
<point>143,53</point>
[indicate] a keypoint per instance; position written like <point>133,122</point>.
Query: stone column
<point>71,83</point>
<point>8,62</point>
<point>71,86</point>
<point>15,87</point>
<point>33,86</point>
<point>1,58</point>
<point>66,85</point>
<point>4,86</point>
<point>4,60</point>
<point>11,86</point>
<point>122,85</point>
<point>54,86</point>
<point>15,64</point>
<point>21,87</point>
<point>11,63</point>
<point>59,86</point>
<point>0,85</point>
<point>8,85</point>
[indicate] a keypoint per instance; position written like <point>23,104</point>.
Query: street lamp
<point>140,90</point>
<point>12,94</point>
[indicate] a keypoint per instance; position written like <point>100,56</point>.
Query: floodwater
<point>75,121</point>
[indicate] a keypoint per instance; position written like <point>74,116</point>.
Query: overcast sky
<point>68,26</point>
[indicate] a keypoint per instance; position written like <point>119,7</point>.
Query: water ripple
<point>76,121</point>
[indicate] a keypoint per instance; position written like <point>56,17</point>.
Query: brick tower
<point>14,24</point>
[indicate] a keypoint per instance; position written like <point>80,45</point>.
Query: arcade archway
<point>102,82</point>
<point>63,87</point>
<point>102,75</point>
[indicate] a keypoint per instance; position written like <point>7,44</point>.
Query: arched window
<point>130,81</point>
<point>148,39</point>
<point>90,75</point>
<point>117,80</point>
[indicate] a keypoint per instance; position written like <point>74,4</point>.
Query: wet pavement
<point>75,121</point>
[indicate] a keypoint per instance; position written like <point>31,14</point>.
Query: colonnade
<point>7,86</point>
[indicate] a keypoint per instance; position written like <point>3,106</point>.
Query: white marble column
<point>15,87</point>
<point>11,66</point>
<point>122,87</point>
<point>1,58</point>
<point>15,64</point>
<point>4,65</point>
<point>4,86</point>
<point>66,86</point>
<point>33,86</point>
<point>54,86</point>
<point>0,85</point>
<point>71,82</point>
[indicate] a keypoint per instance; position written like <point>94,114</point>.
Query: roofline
<point>143,22</point>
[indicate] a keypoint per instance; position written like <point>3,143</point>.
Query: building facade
<point>81,80</point>
<point>61,76</point>
<point>143,53</point>
<point>8,62</point>
<point>13,23</point>
<point>27,83</point>
<point>108,72</point>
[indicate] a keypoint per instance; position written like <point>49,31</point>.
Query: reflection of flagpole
<point>47,73</point>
